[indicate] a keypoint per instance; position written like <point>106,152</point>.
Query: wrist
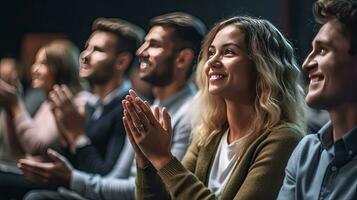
<point>161,162</point>
<point>142,162</point>
<point>68,180</point>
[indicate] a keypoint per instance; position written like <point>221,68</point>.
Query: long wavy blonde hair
<point>279,97</point>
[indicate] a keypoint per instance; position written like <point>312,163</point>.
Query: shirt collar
<point>325,135</point>
<point>121,90</point>
<point>344,149</point>
<point>176,99</point>
<point>350,141</point>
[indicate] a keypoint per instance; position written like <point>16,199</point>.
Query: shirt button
<point>333,168</point>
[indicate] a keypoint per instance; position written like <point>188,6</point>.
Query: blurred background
<point>25,25</point>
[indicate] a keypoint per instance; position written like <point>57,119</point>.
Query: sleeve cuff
<point>78,181</point>
<point>171,169</point>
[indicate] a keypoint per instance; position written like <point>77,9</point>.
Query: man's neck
<point>102,90</point>
<point>343,119</point>
<point>165,92</point>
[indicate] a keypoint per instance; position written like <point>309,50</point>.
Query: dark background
<point>73,18</point>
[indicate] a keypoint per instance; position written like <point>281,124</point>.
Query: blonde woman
<point>249,117</point>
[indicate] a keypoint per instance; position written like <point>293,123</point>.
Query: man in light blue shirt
<point>324,165</point>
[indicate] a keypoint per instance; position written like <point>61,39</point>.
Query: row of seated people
<point>232,139</point>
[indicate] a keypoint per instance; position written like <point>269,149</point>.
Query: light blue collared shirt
<point>320,169</point>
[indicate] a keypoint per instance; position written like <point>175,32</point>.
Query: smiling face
<point>230,72</point>
<point>332,70</point>
<point>98,59</point>
<point>157,56</point>
<point>42,77</point>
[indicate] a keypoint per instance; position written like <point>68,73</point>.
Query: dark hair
<point>129,35</point>
<point>62,59</point>
<point>345,11</point>
<point>188,30</point>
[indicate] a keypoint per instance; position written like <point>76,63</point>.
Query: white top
<point>223,164</point>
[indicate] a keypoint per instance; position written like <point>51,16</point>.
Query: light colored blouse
<point>223,164</point>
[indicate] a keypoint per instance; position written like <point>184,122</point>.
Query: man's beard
<point>102,76</point>
<point>165,77</point>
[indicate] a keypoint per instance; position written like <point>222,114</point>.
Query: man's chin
<point>84,74</point>
<point>315,101</point>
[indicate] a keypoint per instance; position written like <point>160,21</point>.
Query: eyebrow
<point>154,40</point>
<point>229,44</point>
<point>321,41</point>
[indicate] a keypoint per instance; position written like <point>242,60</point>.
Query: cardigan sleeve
<point>149,185</point>
<point>266,173</point>
<point>175,180</point>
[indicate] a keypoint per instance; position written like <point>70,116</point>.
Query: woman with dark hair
<point>55,63</point>
<point>248,119</point>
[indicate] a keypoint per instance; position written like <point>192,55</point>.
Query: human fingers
<point>156,112</point>
<point>141,113</point>
<point>55,156</point>
<point>35,168</point>
<point>34,177</point>
<point>152,118</point>
<point>66,91</point>
<point>54,97</point>
<point>130,136</point>
<point>61,96</point>
<point>130,125</point>
<point>166,120</point>
<point>35,164</point>
<point>133,93</point>
<point>140,124</point>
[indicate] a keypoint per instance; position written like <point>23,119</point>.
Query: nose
<point>214,61</point>
<point>35,67</point>
<point>310,62</point>
<point>84,56</point>
<point>141,52</point>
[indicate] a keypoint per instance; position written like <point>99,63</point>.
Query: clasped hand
<point>149,131</point>
<point>69,121</point>
<point>8,93</point>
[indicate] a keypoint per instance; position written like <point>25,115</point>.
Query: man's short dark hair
<point>188,30</point>
<point>129,35</point>
<point>345,11</point>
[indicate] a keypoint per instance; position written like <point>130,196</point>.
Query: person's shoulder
<point>292,133</point>
<point>287,131</point>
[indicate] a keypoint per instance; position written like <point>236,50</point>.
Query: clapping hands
<point>149,131</point>
<point>56,170</point>
<point>69,121</point>
<point>8,93</point>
